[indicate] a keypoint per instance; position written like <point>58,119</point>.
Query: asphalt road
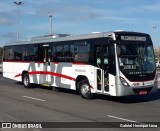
<point>42,104</point>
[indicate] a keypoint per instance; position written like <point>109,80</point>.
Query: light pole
<point>50,18</point>
<point>18,21</point>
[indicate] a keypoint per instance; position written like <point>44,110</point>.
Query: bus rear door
<point>45,68</point>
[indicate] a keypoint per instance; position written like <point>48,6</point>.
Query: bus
<point>117,63</point>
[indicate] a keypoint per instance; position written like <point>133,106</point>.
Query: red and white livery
<point>111,63</point>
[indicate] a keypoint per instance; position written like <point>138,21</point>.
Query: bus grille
<point>148,89</point>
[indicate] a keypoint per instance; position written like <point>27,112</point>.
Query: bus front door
<point>45,68</point>
<point>101,62</point>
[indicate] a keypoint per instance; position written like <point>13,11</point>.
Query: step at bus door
<point>101,62</point>
<point>46,77</point>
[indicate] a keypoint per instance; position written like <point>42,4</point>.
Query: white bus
<point>109,63</point>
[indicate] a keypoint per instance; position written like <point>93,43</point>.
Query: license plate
<point>143,92</point>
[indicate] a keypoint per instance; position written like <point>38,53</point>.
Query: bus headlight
<point>124,82</point>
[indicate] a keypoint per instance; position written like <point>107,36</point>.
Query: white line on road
<point>129,120</point>
<point>121,118</point>
<point>33,98</point>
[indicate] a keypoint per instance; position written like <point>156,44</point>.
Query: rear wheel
<point>26,81</point>
<point>84,89</point>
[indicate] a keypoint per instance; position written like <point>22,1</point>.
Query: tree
<point>157,52</point>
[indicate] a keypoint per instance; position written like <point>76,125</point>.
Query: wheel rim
<point>26,81</point>
<point>85,90</point>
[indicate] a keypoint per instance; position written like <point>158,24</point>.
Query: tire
<point>84,89</point>
<point>26,81</point>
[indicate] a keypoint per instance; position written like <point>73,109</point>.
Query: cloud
<point>9,36</point>
<point>7,15</point>
<point>77,16</point>
<point>5,21</point>
<point>153,7</point>
<point>69,13</point>
<point>146,7</point>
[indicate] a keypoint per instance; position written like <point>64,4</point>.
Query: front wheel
<point>84,89</point>
<point>26,81</point>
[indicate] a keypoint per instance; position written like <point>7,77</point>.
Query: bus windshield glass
<point>136,58</point>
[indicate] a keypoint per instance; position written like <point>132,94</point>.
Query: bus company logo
<point>6,125</point>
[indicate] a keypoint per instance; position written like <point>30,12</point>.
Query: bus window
<point>31,52</point>
<point>18,51</point>
<point>8,53</point>
<point>82,51</point>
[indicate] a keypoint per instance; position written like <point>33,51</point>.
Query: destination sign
<point>133,38</point>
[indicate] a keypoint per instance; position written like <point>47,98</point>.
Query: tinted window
<point>61,53</point>
<point>81,51</point>
<point>18,52</point>
<point>71,51</point>
<point>30,53</point>
<point>8,53</point>
<point>26,52</point>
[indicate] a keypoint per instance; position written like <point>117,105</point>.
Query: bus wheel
<point>26,81</point>
<point>84,89</point>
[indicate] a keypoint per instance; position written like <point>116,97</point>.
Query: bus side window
<point>54,56</point>
<point>8,53</point>
<point>76,56</point>
<point>74,53</point>
<point>66,53</point>
<point>24,55</point>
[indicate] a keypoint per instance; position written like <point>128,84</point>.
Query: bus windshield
<point>136,59</point>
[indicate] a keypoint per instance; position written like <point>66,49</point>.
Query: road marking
<point>121,118</point>
<point>128,120</point>
<point>33,98</point>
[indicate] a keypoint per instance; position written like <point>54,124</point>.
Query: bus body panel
<point>136,88</point>
<point>103,68</point>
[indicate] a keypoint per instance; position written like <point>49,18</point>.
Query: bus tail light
<point>124,82</point>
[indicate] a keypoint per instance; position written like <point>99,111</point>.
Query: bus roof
<point>65,37</point>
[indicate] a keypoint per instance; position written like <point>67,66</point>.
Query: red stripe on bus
<point>91,86</point>
<point>49,73</point>
<point>52,74</point>
<point>18,75</point>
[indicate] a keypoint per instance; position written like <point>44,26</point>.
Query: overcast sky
<point>78,17</point>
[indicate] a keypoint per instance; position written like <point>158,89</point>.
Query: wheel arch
<point>80,78</point>
<point>24,72</point>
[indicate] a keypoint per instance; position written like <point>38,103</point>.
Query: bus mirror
<point>118,50</point>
